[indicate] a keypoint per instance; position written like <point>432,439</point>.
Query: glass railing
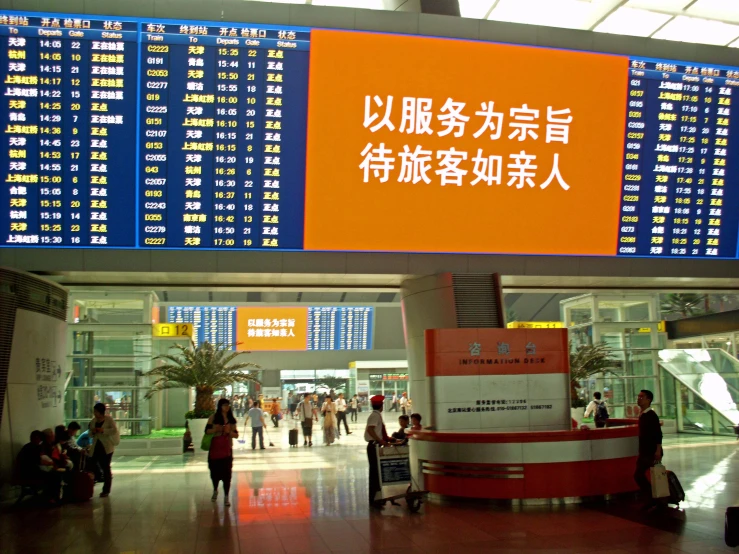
<point>710,373</point>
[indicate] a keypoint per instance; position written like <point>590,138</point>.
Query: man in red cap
<point>374,436</point>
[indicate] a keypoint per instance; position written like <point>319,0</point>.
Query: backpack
<point>601,412</point>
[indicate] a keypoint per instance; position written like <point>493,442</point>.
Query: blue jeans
<point>254,432</point>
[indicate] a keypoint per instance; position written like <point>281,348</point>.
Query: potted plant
<point>205,368</point>
<point>585,361</point>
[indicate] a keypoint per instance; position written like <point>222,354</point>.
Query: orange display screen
<point>430,145</point>
<point>271,328</point>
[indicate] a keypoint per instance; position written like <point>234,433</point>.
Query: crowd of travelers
<point>333,408</point>
<point>55,459</point>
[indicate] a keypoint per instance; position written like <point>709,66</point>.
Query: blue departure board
<point>340,328</point>
<point>681,161</point>
<point>153,134</point>
<point>215,324</point>
<point>133,133</point>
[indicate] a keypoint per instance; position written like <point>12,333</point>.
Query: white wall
<point>35,398</point>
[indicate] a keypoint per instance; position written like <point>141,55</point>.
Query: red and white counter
<point>526,465</point>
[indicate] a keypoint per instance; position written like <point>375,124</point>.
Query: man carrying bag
<point>650,451</point>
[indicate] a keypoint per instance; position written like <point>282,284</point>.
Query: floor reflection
<point>162,505</point>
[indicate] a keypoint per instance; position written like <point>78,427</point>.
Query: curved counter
<point>547,464</point>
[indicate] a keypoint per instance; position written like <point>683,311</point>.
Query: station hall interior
<point>369,276</point>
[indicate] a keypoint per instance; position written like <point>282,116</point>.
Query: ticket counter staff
<point>374,436</point>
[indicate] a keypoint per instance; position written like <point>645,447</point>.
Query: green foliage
<point>585,361</point>
<point>206,367</point>
<point>685,305</point>
<point>337,384</point>
<point>199,414</point>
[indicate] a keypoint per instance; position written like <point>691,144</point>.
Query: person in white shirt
<point>256,415</point>
<point>341,414</point>
<point>354,403</point>
<point>404,404</point>
<point>375,436</point>
<point>598,415</point>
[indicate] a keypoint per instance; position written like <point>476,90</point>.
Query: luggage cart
<point>396,480</point>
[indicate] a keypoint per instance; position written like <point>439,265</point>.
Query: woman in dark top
<point>222,425</point>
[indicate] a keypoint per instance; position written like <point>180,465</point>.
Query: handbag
<point>205,443</point>
<point>660,483</point>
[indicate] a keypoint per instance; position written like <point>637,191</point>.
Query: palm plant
<point>206,367</point>
<point>685,305</point>
<point>588,360</point>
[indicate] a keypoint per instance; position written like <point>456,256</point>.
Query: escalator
<point>710,374</point>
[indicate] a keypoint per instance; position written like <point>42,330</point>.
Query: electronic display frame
<point>169,21</point>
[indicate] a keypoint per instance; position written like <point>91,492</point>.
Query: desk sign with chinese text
<point>498,379</point>
<point>172,330</point>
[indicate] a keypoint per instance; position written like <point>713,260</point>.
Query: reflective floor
<point>314,500</point>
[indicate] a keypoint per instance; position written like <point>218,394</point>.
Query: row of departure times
<point>223,140</point>
<point>69,97</point>
<point>678,162</point>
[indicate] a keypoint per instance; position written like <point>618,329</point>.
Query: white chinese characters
<point>454,166</point>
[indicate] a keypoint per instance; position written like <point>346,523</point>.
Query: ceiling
<point>713,22</point>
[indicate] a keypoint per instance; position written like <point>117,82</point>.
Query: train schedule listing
<point>223,124</point>
<point>680,159</point>
<point>69,94</point>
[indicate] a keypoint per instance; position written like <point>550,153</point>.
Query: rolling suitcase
<point>293,437</point>
<point>677,494</point>
<point>731,527</point>
<point>82,483</point>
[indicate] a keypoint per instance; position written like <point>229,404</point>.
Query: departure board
<point>680,179</point>
<point>265,328</point>
<point>215,324</point>
<point>152,134</point>
<point>161,134</point>
<point>340,328</point>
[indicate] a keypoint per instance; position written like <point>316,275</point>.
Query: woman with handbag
<point>105,437</point>
<point>219,432</point>
<point>329,421</point>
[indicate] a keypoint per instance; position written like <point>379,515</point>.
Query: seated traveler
<point>416,422</point>
<point>399,437</point>
<point>59,450</point>
<point>74,451</point>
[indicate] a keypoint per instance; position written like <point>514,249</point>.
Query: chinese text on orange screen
<point>435,145</point>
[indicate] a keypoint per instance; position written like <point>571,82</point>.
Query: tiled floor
<point>313,500</point>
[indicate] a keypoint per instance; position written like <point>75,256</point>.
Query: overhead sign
<point>235,146</point>
<point>172,330</point>
<point>535,325</point>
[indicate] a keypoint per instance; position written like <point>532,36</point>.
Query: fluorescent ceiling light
<point>366,4</point>
<point>735,44</point>
<point>630,21</point>
<point>725,10</point>
<point>570,14</point>
<point>476,9</point>
<point>672,6</point>
<point>693,29</point>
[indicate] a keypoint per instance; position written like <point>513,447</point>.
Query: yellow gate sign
<point>172,330</point>
<point>535,325</point>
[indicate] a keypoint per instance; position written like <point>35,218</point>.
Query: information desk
<point>552,464</point>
